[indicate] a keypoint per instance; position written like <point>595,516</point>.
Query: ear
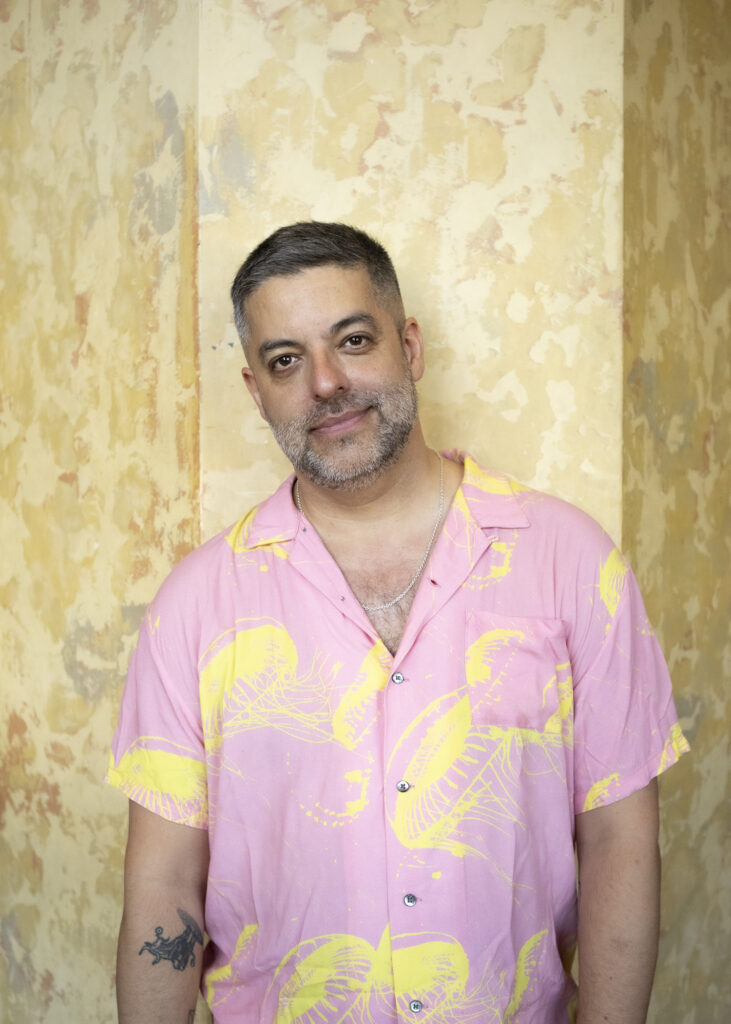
<point>250,382</point>
<point>413,345</point>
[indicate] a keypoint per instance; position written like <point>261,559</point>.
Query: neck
<point>412,474</point>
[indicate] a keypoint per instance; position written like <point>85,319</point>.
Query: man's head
<point>331,359</point>
<point>307,244</point>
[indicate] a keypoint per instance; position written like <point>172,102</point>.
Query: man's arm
<point>619,908</point>
<point>161,938</point>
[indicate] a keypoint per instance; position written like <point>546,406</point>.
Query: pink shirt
<point>392,837</point>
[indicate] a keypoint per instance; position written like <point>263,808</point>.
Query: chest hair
<point>390,623</point>
<point>377,585</point>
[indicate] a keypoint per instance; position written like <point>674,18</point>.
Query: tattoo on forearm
<point>180,951</point>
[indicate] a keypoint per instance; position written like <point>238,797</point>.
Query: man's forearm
<point>159,957</point>
<point>619,908</point>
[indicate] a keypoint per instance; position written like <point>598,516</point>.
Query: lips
<point>343,421</point>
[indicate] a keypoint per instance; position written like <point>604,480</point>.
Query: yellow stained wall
<point>481,141</point>
<point>676,514</point>
<point>99,440</point>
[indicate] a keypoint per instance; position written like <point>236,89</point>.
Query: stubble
<point>357,458</point>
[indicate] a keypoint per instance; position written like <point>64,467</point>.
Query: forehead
<point>314,298</point>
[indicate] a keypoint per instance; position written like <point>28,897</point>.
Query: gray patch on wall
<point>159,202</point>
<point>19,969</point>
<point>644,386</point>
<point>95,660</point>
<point>232,169</point>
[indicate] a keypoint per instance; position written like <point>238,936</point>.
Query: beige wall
<point>99,438</point>
<point>677,518</point>
<point>482,142</point>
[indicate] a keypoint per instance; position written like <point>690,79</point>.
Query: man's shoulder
<point>546,514</point>
<point>553,513</point>
<point>268,524</point>
<point>564,548</point>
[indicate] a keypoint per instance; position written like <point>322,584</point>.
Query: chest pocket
<point>517,672</point>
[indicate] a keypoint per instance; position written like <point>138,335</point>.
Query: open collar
<point>272,523</point>
<point>484,500</point>
<point>488,499</point>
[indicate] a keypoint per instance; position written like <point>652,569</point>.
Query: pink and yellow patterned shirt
<point>392,837</point>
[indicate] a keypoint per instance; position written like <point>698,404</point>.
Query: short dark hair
<point>314,243</point>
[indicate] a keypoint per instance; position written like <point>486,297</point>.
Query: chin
<point>350,471</point>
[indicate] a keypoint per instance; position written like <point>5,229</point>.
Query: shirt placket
<point>407,907</point>
<point>409,911</point>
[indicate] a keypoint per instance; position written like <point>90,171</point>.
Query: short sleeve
<point>626,727</point>
<point>158,755</point>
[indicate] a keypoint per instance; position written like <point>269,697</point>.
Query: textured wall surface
<point>677,519</point>
<point>99,440</point>
<point>481,142</point>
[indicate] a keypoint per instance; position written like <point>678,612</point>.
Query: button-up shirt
<point>392,837</point>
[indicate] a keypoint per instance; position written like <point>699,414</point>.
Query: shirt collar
<point>275,521</point>
<point>489,499</point>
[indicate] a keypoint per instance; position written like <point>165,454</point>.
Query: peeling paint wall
<point>677,518</point>
<point>481,143</point>
<point>99,451</point>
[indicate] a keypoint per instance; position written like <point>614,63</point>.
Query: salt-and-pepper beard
<point>395,408</point>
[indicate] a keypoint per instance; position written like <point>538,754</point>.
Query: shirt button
<point>409,899</point>
<point>415,1005</point>
<point>397,677</point>
<point>402,786</point>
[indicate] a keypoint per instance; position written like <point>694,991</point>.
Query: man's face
<point>331,373</point>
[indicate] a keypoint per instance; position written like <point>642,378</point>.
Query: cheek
<point>284,408</point>
<point>257,400</point>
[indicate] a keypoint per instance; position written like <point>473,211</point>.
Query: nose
<point>328,376</point>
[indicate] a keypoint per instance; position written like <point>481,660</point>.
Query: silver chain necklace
<point>419,571</point>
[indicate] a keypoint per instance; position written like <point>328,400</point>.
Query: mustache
<point>337,406</point>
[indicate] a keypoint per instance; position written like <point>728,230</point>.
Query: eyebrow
<point>354,318</point>
<point>272,344</point>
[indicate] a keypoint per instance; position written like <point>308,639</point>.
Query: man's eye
<point>356,340</point>
<point>281,362</point>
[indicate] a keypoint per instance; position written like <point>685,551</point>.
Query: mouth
<point>339,424</point>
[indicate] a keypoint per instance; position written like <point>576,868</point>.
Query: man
<point>366,728</point>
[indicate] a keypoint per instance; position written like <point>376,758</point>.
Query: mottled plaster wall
<point>99,451</point>
<point>677,519</point>
<point>481,142</point>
